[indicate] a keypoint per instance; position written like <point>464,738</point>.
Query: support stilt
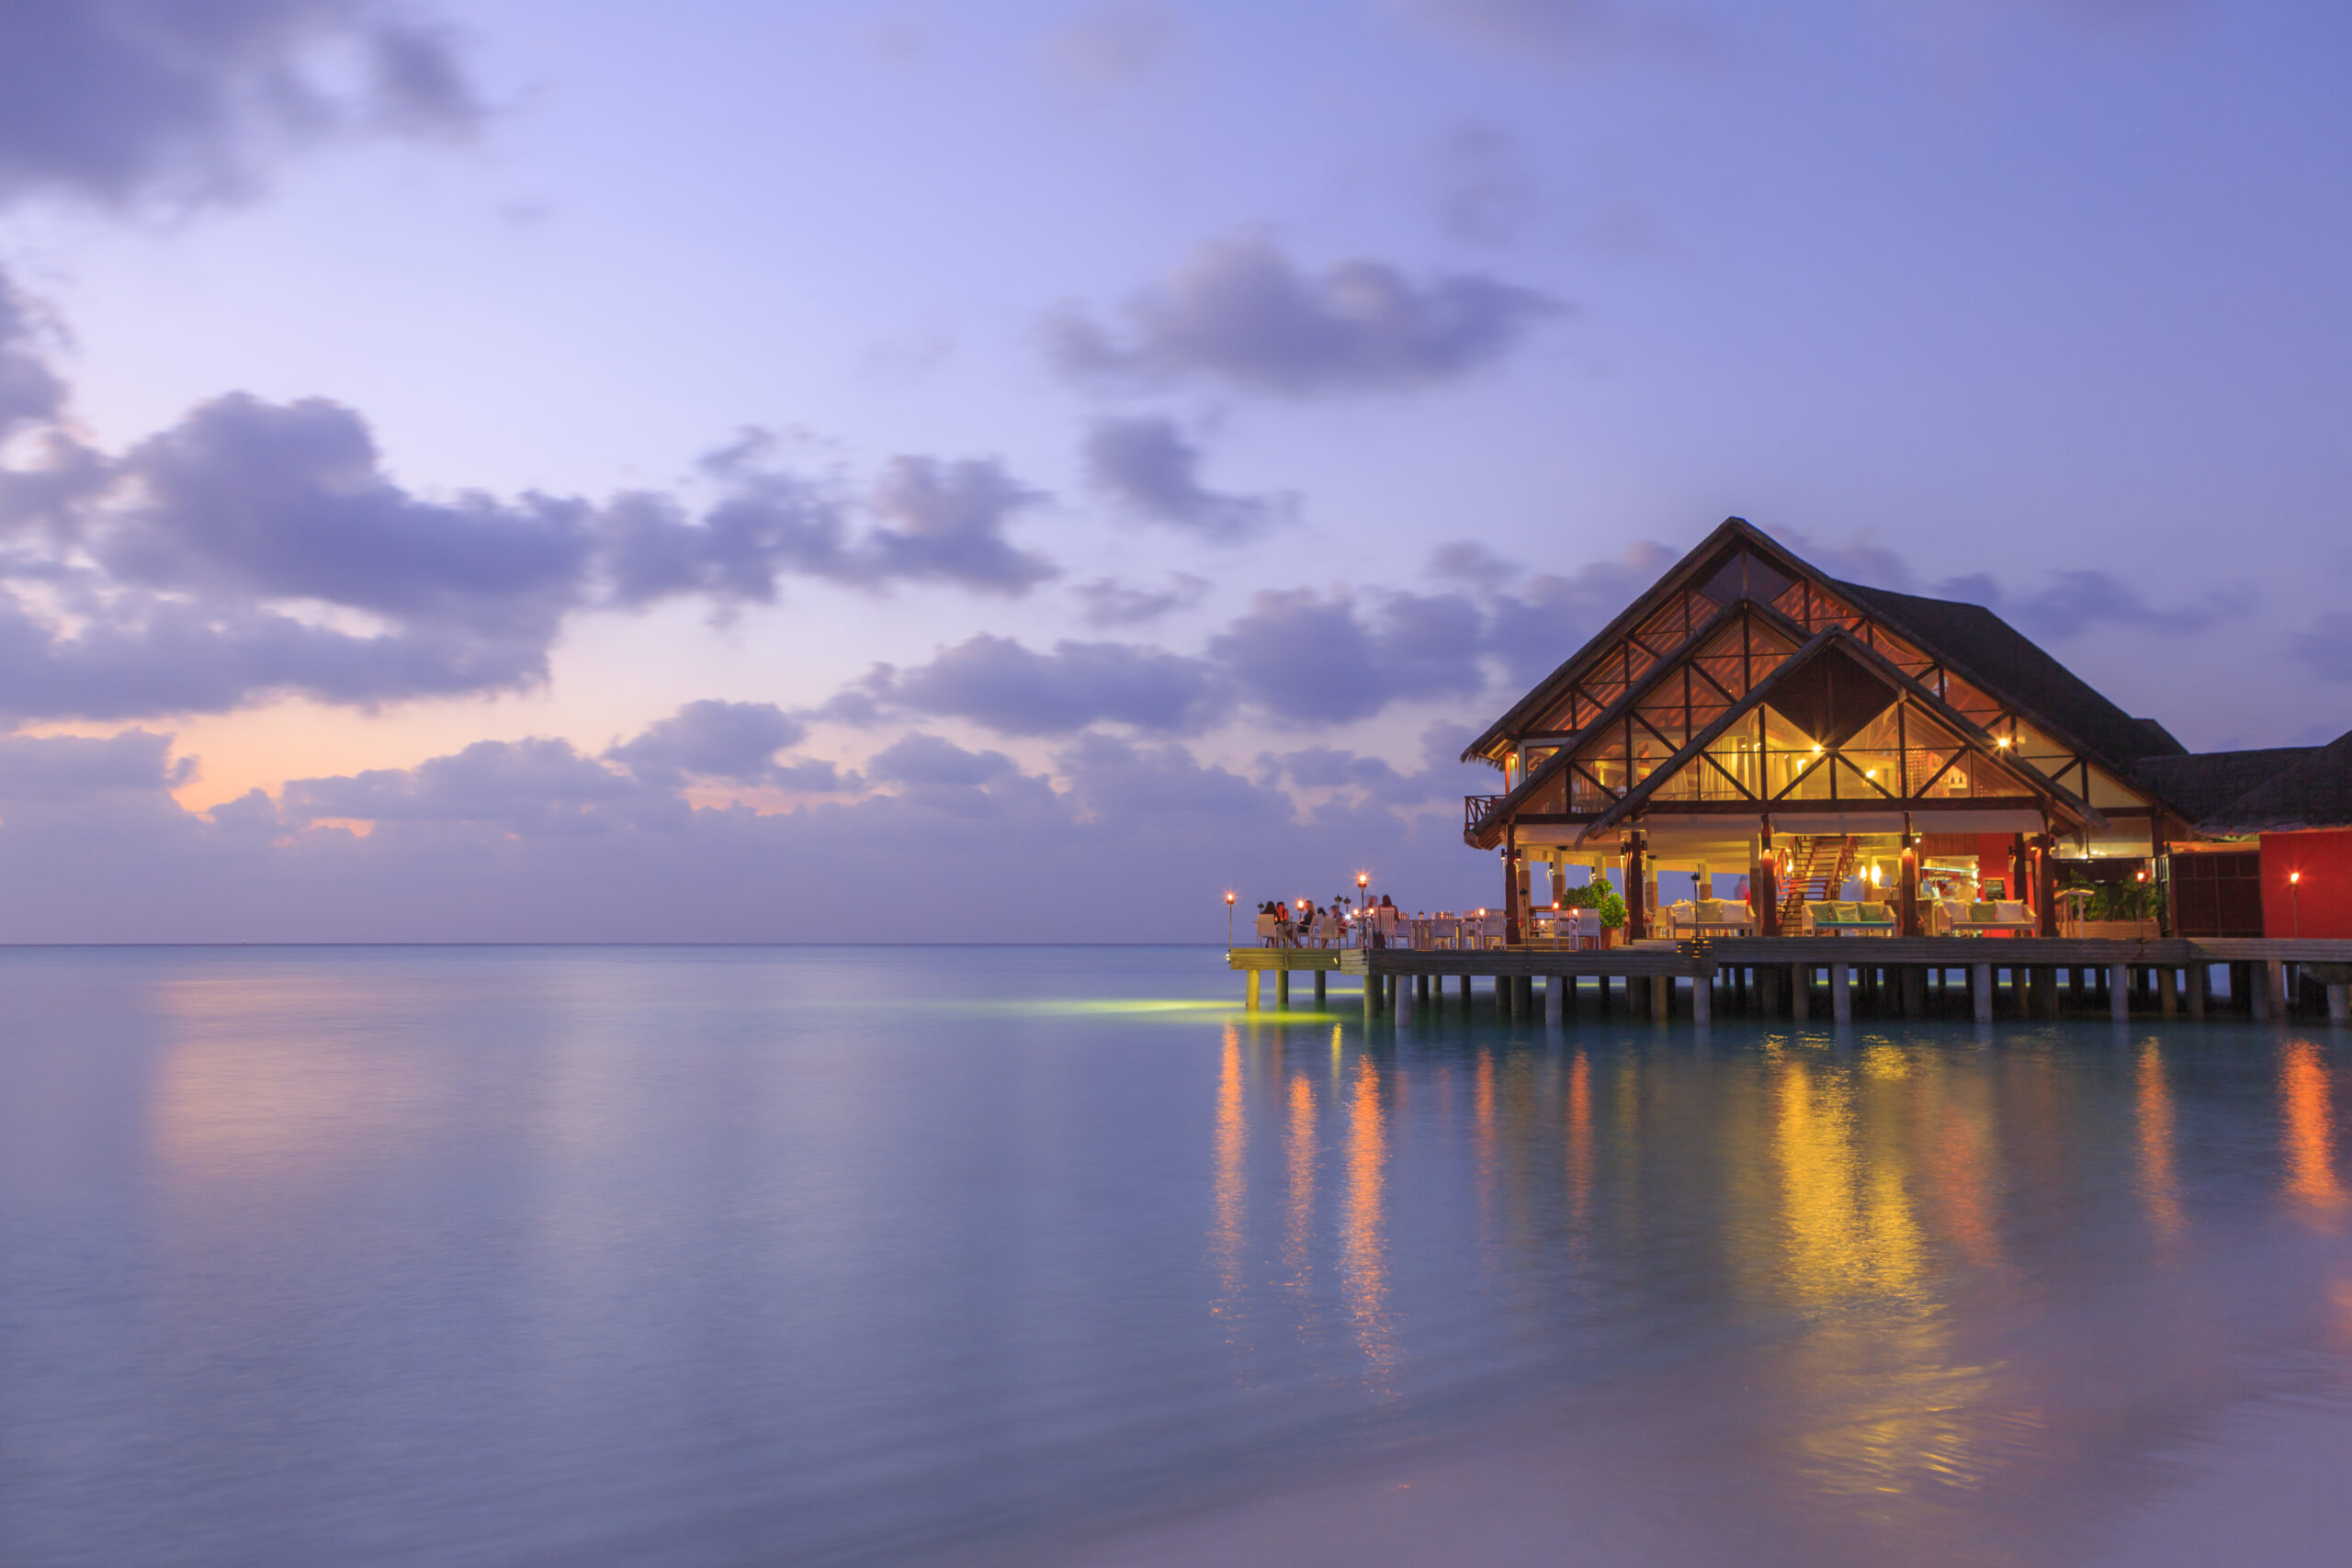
<point>1800,991</point>
<point>1980,986</point>
<point>2168,991</point>
<point>2273,985</point>
<point>2201,981</point>
<point>1257,978</point>
<point>1282,990</point>
<point>2119,992</point>
<point>1319,990</point>
<point>2340,1004</point>
<point>1702,998</point>
<point>1555,996</point>
<point>1841,993</point>
<point>1661,998</point>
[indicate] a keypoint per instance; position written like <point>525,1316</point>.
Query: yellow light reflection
<point>1482,1136</point>
<point>2158,1181</point>
<point>1299,1233</point>
<point>1579,1150</point>
<point>1894,1411</point>
<point>1231,1183</point>
<point>1364,1252</point>
<point>2309,1132</point>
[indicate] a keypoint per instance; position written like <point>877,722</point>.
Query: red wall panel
<point>2321,905</point>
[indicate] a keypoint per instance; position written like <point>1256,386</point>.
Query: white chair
<point>1265,931</point>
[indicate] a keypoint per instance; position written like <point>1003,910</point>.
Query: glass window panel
<point>1683,784</point>
<point>1921,765</point>
<point>1921,729</point>
<point>1899,653</point>
<point>1736,755</point>
<point>1726,672</point>
<point>2105,790</point>
<point>1880,734</point>
<point>1792,601</point>
<point>1780,735</point>
<point>1811,783</point>
<point>1972,703</point>
<point>1866,774</point>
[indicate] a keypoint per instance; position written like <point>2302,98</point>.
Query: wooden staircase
<point>1817,868</point>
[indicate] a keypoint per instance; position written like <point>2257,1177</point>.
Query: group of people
<point>1327,925</point>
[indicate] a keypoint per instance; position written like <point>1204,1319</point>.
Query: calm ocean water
<point>839,1255</point>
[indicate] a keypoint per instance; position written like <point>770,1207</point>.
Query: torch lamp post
<point>1228,921</point>
<point>2294,915</point>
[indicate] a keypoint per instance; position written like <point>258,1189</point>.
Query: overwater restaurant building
<point>1752,715</point>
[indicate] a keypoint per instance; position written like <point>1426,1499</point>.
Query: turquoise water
<point>857,1255</point>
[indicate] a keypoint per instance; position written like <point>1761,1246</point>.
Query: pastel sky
<point>522,470</point>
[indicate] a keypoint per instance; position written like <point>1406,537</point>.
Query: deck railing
<point>1475,808</point>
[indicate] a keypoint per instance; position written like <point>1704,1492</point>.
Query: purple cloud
<point>1241,314</point>
<point>730,742</point>
<point>118,100</point>
<point>1313,658</point>
<point>928,759</point>
<point>30,393</point>
<point>1109,602</point>
<point>530,786</point>
<point>1015,691</point>
<point>74,767</point>
<point>1147,466</point>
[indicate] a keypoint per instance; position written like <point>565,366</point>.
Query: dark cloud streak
<point>1240,312</point>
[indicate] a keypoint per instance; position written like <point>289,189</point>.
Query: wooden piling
<point>1841,993</point>
<point>1556,989</point>
<point>2119,992</point>
<point>1980,987</point>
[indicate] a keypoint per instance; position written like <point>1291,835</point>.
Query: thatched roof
<point>2308,788</point>
<point>2011,668</point>
<point>2206,783</point>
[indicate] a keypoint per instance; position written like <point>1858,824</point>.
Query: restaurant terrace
<point>1909,772</point>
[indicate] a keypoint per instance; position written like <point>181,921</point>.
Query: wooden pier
<point>1837,978</point>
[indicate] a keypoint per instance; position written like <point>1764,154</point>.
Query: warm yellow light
<point>1870,773</point>
<point>1363,879</point>
<point>1228,898</point>
<point>2004,740</point>
<point>2294,877</point>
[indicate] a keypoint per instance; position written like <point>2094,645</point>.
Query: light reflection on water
<point>753,1256</point>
